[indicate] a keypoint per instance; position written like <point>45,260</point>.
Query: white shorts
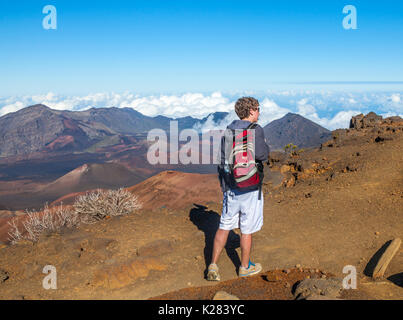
<point>242,210</point>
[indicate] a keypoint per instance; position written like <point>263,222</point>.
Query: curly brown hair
<point>244,105</point>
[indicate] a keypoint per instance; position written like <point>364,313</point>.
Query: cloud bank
<point>331,110</point>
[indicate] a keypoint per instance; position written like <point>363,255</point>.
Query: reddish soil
<point>270,285</point>
<point>60,142</point>
<point>177,190</point>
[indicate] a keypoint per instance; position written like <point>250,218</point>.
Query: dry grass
<point>47,221</point>
<point>97,205</point>
<point>88,209</point>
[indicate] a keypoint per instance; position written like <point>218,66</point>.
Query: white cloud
<point>306,109</point>
<point>211,125</point>
<point>340,120</point>
<point>395,98</point>
<point>329,109</point>
<point>12,107</point>
<point>190,104</point>
<point>270,111</point>
<point>352,101</point>
<point>303,101</point>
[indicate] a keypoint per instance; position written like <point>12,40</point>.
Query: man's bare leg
<point>246,245</point>
<point>220,240</point>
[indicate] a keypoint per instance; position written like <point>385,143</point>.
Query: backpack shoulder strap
<point>253,125</point>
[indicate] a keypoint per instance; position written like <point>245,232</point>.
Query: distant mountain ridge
<point>39,127</point>
<point>295,129</point>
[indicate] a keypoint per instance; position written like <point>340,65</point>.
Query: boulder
<point>370,120</point>
<point>356,121</point>
<point>329,288</point>
<point>3,276</point>
<point>386,258</point>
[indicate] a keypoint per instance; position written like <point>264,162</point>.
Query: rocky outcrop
<point>372,120</point>
<point>371,127</point>
<point>360,121</point>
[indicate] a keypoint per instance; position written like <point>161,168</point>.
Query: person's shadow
<point>208,221</point>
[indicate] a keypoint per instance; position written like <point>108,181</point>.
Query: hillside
<point>92,176</point>
<point>85,177</point>
<point>295,129</point>
<point>335,205</point>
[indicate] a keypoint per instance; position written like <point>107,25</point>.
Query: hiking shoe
<point>253,268</point>
<point>212,274</point>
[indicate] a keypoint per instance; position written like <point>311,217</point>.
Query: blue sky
<point>183,46</point>
<point>194,57</point>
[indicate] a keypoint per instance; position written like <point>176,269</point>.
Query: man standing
<point>241,208</point>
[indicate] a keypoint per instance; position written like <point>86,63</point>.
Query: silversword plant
<point>88,209</point>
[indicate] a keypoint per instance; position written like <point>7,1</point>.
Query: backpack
<point>245,172</point>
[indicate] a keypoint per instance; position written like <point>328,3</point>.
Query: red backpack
<point>243,167</point>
